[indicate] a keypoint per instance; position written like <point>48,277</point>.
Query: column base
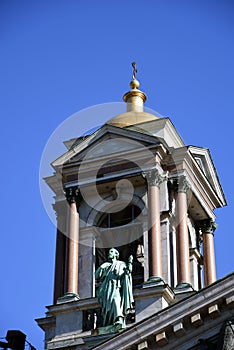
<point>183,290</point>
<point>153,281</point>
<point>184,285</point>
<point>68,297</point>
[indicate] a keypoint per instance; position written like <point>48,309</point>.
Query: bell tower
<point>135,186</point>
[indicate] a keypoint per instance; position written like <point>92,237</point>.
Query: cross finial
<point>134,70</point>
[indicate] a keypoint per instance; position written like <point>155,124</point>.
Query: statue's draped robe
<point>115,291</point>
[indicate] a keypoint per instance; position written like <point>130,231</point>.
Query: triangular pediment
<point>106,141</point>
<point>203,158</point>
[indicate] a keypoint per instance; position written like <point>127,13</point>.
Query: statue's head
<point>113,253</point>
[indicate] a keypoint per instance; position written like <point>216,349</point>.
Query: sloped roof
<point>200,315</point>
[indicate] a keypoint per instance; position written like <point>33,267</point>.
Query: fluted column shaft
<point>154,180</point>
<point>208,228</point>
<point>182,238</point>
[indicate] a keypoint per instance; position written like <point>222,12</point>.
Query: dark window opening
<point>119,218</point>
<point>171,259</point>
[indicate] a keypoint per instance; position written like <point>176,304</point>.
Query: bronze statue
<point>115,289</point>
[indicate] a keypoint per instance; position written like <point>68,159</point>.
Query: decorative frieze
<point>153,177</point>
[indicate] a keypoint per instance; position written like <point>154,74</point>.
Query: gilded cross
<point>134,70</point>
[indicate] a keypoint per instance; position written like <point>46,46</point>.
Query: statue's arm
<point>129,264</point>
<point>99,273</point>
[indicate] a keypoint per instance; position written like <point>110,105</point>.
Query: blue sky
<point>59,57</point>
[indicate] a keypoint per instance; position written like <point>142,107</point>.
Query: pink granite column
<point>154,180</point>
<point>72,259</point>
<point>208,228</point>
<point>182,237</point>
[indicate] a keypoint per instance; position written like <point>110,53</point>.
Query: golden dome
<point>131,118</point>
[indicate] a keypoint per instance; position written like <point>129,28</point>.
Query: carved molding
<point>181,184</point>
<point>153,177</point>
<point>208,226</point>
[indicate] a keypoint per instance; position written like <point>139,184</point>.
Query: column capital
<point>72,194</point>
<point>181,184</point>
<point>208,226</point>
<point>153,177</point>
